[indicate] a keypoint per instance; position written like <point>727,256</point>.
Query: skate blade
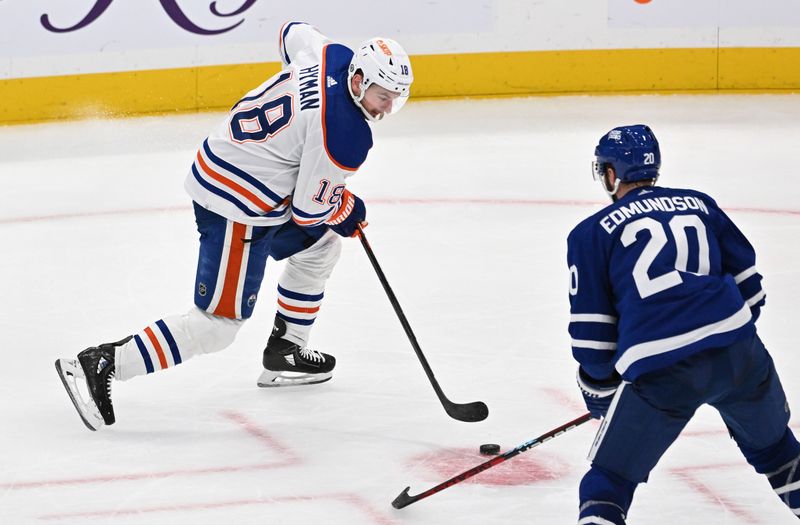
<point>70,371</point>
<point>271,379</point>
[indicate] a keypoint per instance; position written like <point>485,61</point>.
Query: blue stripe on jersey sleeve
<point>600,332</point>
<point>241,173</point>
<point>753,295</point>
<point>749,283</point>
<point>304,215</point>
<point>225,195</point>
<point>750,289</point>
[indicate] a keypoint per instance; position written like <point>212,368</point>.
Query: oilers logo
<point>202,289</point>
<point>251,300</point>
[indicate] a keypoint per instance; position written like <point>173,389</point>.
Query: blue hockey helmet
<point>631,150</point>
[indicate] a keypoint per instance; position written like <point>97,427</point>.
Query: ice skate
<point>288,364</point>
<point>87,380</point>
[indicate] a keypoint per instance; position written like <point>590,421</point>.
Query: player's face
<point>378,100</point>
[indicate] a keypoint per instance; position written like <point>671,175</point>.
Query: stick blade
<point>468,412</point>
<point>403,499</point>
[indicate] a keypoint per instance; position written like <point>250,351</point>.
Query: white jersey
<point>286,148</point>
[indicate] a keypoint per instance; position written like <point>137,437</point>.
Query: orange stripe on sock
<point>299,309</point>
<point>227,301</point>
<point>153,339</point>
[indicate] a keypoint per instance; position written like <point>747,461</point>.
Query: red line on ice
<point>687,474</point>
<point>140,476</point>
<point>385,201</point>
<point>289,459</point>
<point>349,498</point>
<point>563,399</point>
<point>260,434</point>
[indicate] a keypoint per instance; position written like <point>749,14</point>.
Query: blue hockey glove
<point>350,213</point>
<point>597,394</point>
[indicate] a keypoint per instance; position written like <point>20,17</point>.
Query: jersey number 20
<point>648,286</point>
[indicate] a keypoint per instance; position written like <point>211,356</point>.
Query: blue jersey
<point>655,277</point>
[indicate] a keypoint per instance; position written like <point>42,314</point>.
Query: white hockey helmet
<point>384,62</point>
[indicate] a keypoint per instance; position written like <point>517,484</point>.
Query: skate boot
<point>289,364</point>
<point>92,396</point>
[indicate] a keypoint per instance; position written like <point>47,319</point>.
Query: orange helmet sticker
<point>384,48</point>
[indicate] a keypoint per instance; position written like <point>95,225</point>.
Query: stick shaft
<point>399,311</point>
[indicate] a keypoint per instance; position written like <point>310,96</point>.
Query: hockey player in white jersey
<point>664,298</point>
<point>269,181</point>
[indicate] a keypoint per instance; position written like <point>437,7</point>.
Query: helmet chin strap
<point>611,192</point>
<point>357,100</point>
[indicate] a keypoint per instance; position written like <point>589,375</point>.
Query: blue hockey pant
<point>230,270</point>
<point>647,415</point>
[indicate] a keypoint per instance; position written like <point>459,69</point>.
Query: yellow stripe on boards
<point>222,86</point>
<point>436,76</point>
<point>759,68</point>
<point>97,95</point>
<point>548,72</point>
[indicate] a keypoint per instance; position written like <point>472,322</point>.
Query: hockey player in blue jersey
<point>268,181</point>
<point>664,296</point>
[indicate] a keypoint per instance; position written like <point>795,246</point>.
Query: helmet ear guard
<point>383,62</point>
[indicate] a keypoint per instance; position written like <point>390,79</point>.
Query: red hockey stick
<point>404,499</point>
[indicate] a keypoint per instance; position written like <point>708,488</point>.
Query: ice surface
<point>469,206</point>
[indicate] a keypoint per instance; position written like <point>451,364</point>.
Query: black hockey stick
<point>404,499</point>
<point>475,411</point>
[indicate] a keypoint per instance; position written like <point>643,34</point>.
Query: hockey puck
<point>490,449</point>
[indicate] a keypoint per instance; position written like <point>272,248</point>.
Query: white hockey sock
<point>299,311</point>
<point>173,340</point>
<point>302,284</point>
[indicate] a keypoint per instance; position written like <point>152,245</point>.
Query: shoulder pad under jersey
<point>346,134</point>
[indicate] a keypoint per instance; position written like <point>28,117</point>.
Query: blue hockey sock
<point>781,464</point>
<point>786,483</point>
<point>605,498</point>
<point>775,456</point>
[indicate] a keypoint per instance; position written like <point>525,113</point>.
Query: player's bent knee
<point>211,332</point>
<point>325,251</point>
<point>318,261</point>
